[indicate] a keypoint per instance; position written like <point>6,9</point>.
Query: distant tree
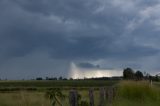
<point>128,73</point>
<point>55,78</point>
<point>47,78</point>
<point>139,75</point>
<point>156,78</point>
<point>146,76</point>
<point>64,79</point>
<point>51,78</point>
<point>60,78</point>
<point>70,78</point>
<point>39,78</point>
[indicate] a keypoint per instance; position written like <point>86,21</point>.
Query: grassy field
<point>57,83</point>
<point>22,98</point>
<point>32,92</point>
<point>132,93</point>
<point>128,93</point>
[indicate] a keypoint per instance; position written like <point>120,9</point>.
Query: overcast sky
<point>43,37</point>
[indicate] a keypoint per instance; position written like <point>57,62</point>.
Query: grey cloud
<point>24,32</point>
<point>78,31</point>
<point>87,65</point>
<point>35,64</point>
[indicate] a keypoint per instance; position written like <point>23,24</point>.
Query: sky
<point>54,37</point>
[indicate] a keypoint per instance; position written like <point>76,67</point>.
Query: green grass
<point>43,85</point>
<point>32,93</point>
<point>132,93</point>
<point>129,93</point>
<point>57,83</point>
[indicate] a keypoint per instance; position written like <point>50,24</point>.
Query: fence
<point>106,96</point>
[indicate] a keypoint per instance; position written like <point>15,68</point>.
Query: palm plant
<point>56,96</point>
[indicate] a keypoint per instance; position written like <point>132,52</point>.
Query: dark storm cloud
<point>87,65</point>
<point>86,40</point>
<point>81,30</point>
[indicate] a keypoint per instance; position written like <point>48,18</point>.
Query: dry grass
<point>23,98</point>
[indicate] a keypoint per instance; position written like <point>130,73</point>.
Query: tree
<point>60,78</point>
<point>128,73</point>
<point>39,78</point>
<point>156,78</point>
<point>139,75</point>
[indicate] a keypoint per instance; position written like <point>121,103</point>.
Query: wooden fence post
<point>102,97</point>
<point>111,94</point>
<point>91,96</point>
<point>114,92</point>
<point>73,98</point>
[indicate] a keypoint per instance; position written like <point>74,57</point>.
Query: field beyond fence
<point>91,93</point>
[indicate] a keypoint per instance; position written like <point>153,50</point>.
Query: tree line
<point>130,74</point>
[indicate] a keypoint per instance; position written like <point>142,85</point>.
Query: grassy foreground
<point>133,93</point>
<point>129,93</point>
<point>22,98</point>
<point>32,93</point>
